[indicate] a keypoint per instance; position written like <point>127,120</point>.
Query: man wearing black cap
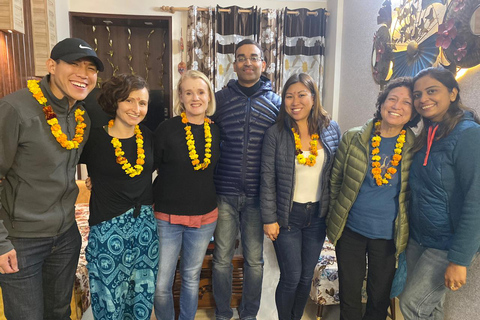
<point>42,132</point>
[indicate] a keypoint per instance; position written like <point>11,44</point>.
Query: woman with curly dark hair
<point>369,200</point>
<point>122,251</point>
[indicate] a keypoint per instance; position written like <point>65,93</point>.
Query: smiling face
<point>195,96</point>
<point>74,80</point>
<point>298,102</point>
<point>396,110</point>
<point>132,110</point>
<point>248,71</point>
<point>432,99</point>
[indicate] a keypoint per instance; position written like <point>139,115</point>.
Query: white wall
<point>151,8</point>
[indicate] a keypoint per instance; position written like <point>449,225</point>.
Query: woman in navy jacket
<point>297,157</point>
<point>445,206</point>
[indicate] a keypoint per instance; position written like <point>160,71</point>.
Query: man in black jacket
<point>246,108</point>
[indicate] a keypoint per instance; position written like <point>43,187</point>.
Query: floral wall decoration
<point>420,34</point>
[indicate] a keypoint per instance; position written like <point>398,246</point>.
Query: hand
<point>271,230</point>
<point>455,276</point>
<point>88,184</point>
<point>8,262</point>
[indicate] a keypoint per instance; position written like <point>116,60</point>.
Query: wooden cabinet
<point>133,44</point>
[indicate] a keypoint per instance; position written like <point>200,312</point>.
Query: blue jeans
<point>238,213</point>
<point>191,244</point>
<point>42,289</point>
<point>425,289</point>
<point>298,248</point>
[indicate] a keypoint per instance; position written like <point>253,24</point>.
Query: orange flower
<point>396,158</point>
<point>126,166</point>
<point>191,143</point>
<point>312,158</point>
<point>52,120</point>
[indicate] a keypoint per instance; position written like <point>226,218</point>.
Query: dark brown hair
<point>318,117</point>
<point>117,89</point>
<point>455,111</point>
<point>406,82</point>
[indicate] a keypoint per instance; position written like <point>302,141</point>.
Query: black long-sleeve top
<point>113,191</point>
<point>179,189</point>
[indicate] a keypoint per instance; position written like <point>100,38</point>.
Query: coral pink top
<point>189,221</point>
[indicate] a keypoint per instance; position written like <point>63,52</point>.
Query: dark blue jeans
<point>238,213</point>
<point>42,289</point>
<point>298,248</point>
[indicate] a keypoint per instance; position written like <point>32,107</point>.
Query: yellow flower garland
<point>130,170</point>
<point>192,152</point>
<point>397,156</point>
<point>52,119</point>
<point>312,157</point>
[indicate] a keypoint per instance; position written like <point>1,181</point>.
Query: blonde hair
<point>194,74</point>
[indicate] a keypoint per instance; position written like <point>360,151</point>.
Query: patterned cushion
<point>324,289</point>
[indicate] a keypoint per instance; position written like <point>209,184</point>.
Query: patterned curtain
<point>305,44</point>
<point>200,41</point>
<point>271,40</point>
<point>292,43</point>
<point>231,28</point>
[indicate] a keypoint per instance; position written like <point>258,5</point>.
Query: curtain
<point>200,41</point>
<point>271,40</point>
<point>292,43</point>
<point>231,28</point>
<point>305,44</point>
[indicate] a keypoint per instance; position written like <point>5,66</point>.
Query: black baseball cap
<point>71,49</point>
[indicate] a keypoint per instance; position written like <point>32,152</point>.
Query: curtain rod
<point>174,9</point>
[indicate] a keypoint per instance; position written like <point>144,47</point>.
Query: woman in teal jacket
<point>369,199</point>
<point>445,207</point>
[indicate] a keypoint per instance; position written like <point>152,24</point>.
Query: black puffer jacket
<point>242,121</point>
<point>278,172</point>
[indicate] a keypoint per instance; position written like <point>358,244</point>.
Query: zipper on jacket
<point>293,174</point>
<point>245,141</point>
<point>69,116</point>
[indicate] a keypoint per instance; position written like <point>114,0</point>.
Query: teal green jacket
<point>349,170</point>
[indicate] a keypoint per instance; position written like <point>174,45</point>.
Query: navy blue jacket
<point>242,121</point>
<point>445,199</point>
<point>278,172</point>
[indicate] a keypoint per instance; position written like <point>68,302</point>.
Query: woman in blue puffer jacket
<point>297,157</point>
<point>444,213</point>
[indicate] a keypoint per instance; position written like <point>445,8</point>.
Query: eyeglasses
<point>252,59</point>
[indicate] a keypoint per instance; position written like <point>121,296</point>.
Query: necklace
<point>52,119</point>
<point>312,157</point>
<point>130,170</point>
<point>192,152</point>
<point>396,158</point>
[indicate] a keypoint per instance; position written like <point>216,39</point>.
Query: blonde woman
<point>186,152</point>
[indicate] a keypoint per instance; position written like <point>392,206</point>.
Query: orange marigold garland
<point>397,156</point>
<point>130,170</point>
<point>52,119</point>
<point>312,157</point>
<point>192,152</point>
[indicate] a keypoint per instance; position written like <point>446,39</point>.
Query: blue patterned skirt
<point>122,255</point>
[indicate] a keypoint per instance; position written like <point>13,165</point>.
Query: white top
<point>307,179</point>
